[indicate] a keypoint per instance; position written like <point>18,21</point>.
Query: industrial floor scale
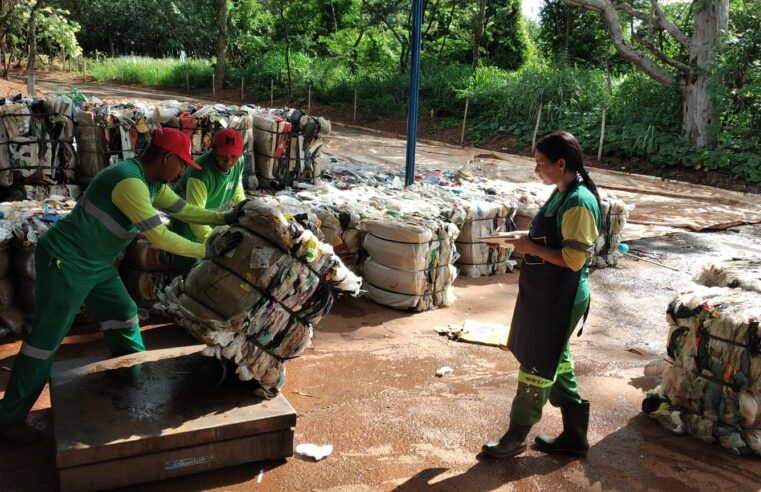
<point>156,415</point>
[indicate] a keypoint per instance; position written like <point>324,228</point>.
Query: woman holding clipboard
<point>553,296</point>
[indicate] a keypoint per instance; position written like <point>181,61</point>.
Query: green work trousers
<point>60,291</point>
<point>534,391</point>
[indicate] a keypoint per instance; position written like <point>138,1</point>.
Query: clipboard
<point>504,239</point>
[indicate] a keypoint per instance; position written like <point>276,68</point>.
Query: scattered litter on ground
<point>443,371</point>
<point>315,451</point>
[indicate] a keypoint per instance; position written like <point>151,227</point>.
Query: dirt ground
<point>368,387</point>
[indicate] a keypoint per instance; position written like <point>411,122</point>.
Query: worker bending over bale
<point>74,264</point>
<point>217,182</point>
<point>553,295</point>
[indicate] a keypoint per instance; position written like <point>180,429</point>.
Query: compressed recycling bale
<point>220,290</point>
<point>23,260</point>
<point>5,259</point>
<point>407,302</point>
<point>12,319</point>
<point>713,389</point>
<point>478,259</point>
<point>739,273</point>
<point>144,256</point>
<point>7,289</point>
<point>410,283</point>
<point>285,278</point>
<point>143,286</point>
<point>410,257</point>
<point>251,322</point>
<point>25,293</point>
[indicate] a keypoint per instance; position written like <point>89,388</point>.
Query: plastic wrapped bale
<point>286,146</point>
<point>270,144</point>
<point>409,263</point>
<point>145,270</point>
<point>737,273</point>
<point>5,259</point>
<point>340,228</point>
<point>614,214</point>
<point>715,381</point>
<point>483,219</point>
<point>257,303</point>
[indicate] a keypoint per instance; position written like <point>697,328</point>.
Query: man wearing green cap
<point>74,265</point>
<point>216,183</point>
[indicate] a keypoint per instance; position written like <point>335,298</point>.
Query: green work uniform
<point>578,221</point>
<point>207,188</point>
<point>74,265</point>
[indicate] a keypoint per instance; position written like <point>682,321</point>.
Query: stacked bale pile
<point>145,270</point>
<point>410,262</point>
<point>713,389</point>
<point>484,218</point>
<point>37,138</point>
<point>21,225</point>
<point>12,319</point>
<point>287,143</point>
<point>257,303</point>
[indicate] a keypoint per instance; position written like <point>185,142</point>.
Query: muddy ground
<point>368,387</point>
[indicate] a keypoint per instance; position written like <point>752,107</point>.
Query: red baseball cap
<point>228,142</point>
<point>176,142</point>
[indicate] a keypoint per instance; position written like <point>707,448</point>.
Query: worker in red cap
<point>216,183</point>
<point>74,264</point>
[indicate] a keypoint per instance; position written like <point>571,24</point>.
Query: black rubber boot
<point>573,439</point>
<point>511,444</point>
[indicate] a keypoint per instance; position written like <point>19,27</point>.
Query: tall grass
<point>166,73</point>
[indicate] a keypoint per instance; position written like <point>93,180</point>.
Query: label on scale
<point>186,462</point>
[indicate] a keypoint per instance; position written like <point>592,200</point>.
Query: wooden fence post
<point>213,85</point>
<point>241,89</point>
<point>536,128</point>
<point>354,119</point>
<point>464,121</point>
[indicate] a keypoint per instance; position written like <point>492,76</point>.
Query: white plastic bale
<point>407,302</point>
<point>741,273</point>
<point>410,283</point>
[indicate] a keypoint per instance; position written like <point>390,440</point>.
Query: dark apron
<point>546,292</point>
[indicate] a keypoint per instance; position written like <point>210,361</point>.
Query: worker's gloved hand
<point>218,245</point>
<point>232,215</point>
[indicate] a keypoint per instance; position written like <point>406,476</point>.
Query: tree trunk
<point>219,71</point>
<point>446,31</point>
<point>698,111</point>
<point>31,41</point>
<point>567,33</point>
<point>479,32</point>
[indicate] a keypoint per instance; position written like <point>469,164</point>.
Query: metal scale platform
<point>157,415</point>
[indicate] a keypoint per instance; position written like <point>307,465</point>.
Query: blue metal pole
<point>417,22</point>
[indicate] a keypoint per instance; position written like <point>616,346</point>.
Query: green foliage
<point>54,30</point>
<point>506,35</point>
<point>339,47</point>
<point>147,27</point>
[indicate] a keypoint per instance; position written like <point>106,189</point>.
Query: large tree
<point>644,48</point>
